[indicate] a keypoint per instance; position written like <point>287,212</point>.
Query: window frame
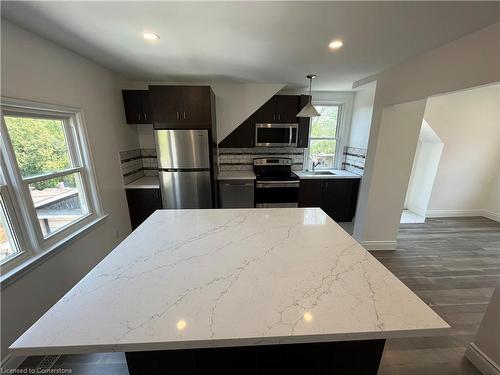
<point>23,207</point>
<point>340,137</point>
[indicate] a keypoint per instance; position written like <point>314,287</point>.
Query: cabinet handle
<point>177,113</point>
<point>279,116</point>
<point>145,116</point>
<point>184,115</point>
<point>139,116</point>
<point>274,116</point>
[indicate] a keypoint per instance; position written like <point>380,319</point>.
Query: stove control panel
<point>272,161</point>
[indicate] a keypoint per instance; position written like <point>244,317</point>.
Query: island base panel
<point>346,357</point>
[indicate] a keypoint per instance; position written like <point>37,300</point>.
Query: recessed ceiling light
<point>335,44</point>
<point>150,36</point>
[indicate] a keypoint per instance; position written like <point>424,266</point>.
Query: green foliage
<point>324,126</point>
<point>40,147</point>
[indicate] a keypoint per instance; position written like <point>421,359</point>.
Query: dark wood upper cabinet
<point>137,106</point>
<point>182,107</point>
<point>287,107</point>
<point>241,137</point>
<point>337,197</point>
<point>279,109</point>
<point>267,112</point>
<point>303,138</point>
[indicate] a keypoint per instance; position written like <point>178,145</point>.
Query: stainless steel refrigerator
<point>185,169</point>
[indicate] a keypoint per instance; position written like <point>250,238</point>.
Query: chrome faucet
<point>314,165</point>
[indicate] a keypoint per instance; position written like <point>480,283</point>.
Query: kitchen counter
<point>236,175</point>
<point>338,174</point>
<point>144,183</point>
<point>231,277</point>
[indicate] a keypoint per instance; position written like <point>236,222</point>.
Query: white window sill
<point>32,262</point>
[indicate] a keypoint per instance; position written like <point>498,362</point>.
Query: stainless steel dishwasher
<point>236,193</point>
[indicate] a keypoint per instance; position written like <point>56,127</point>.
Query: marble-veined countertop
<point>337,173</point>
<point>223,277</point>
<point>148,182</point>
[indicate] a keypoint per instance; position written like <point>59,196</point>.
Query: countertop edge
<point>226,343</point>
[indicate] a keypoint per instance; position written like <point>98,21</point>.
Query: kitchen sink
<point>319,173</point>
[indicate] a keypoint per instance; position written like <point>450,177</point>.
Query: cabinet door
<point>146,107</point>
<point>196,112</point>
<point>303,139</point>
<point>338,198</point>
<point>241,137</point>
<point>310,193</point>
<point>167,106</point>
<point>132,101</point>
<point>266,113</point>
<point>287,107</point>
<point>142,203</point>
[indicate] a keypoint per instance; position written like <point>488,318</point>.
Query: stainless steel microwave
<point>276,135</point>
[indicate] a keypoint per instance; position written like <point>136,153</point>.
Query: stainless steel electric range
<point>275,183</point>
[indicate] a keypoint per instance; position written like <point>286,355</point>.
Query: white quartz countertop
<point>224,277</point>
<point>144,183</point>
<point>236,175</point>
<point>338,173</point>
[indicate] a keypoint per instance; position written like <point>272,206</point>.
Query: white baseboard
<point>492,215</point>
<point>379,245</point>
<point>454,213</point>
<point>11,362</point>
<point>463,213</point>
<point>481,361</point>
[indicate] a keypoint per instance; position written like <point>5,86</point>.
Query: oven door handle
<point>276,184</point>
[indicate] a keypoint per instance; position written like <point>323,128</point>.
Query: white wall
<point>468,123</point>
<point>146,136</point>
<point>470,61</point>
<point>492,206</point>
<point>423,173</point>
<point>362,115</point>
<point>484,352</point>
<point>36,69</point>
<point>399,128</point>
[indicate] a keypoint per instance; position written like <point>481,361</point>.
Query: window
<point>324,137</point>
<point>50,191</point>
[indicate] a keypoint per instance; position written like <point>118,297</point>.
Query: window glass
<point>58,202</point>
<point>323,136</point>
<point>8,244</point>
<point>325,125</point>
<point>323,151</point>
<point>39,144</point>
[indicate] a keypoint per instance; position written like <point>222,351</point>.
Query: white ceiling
<point>252,41</point>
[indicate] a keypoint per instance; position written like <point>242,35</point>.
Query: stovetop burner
<point>278,169</point>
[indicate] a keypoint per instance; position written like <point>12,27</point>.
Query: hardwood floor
<point>453,264</point>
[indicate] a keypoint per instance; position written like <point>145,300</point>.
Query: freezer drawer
<point>236,194</point>
<point>186,189</point>
<point>183,149</point>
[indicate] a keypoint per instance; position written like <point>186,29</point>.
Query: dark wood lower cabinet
<point>340,358</point>
<point>337,197</point>
<point>142,203</point>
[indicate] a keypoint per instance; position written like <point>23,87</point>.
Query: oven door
<point>272,135</point>
<point>276,194</point>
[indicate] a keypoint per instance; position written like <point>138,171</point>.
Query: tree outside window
<point>323,136</point>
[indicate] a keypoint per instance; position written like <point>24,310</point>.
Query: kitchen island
<point>241,291</point>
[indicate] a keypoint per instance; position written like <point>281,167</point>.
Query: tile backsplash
<point>241,159</point>
<point>138,163</point>
<point>354,159</point>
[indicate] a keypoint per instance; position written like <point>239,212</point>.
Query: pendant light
<point>309,110</point>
